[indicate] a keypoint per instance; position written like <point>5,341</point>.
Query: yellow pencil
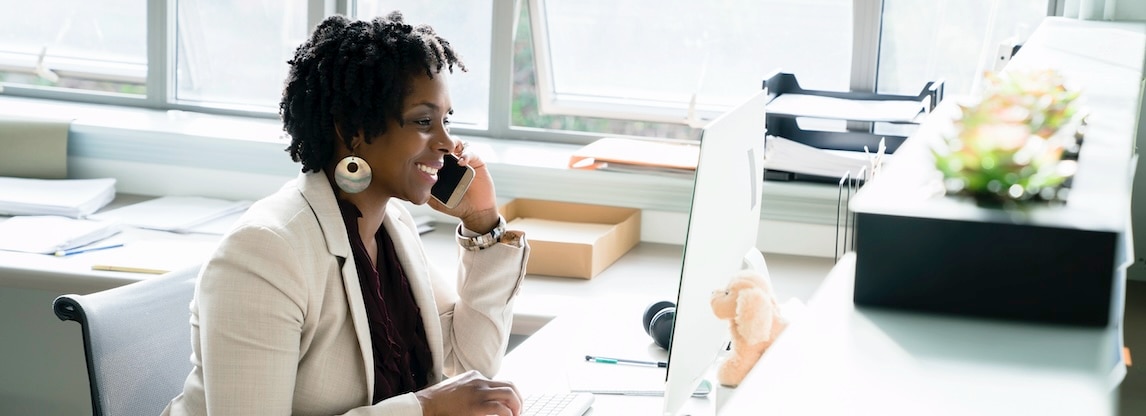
<point>128,269</point>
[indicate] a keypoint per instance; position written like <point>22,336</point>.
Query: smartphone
<point>453,181</point>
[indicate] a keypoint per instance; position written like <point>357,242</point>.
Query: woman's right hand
<point>470,393</point>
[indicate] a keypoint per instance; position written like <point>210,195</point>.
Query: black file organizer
<point>785,125</point>
<point>848,183</point>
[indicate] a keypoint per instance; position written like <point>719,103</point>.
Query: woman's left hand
<point>478,207</point>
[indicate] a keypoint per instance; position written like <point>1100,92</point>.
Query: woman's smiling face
<point>405,160</point>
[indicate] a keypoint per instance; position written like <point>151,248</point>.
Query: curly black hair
<point>355,73</point>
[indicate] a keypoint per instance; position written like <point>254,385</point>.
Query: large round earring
<point>352,174</point>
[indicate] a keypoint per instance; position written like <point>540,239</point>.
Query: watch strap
<point>482,241</point>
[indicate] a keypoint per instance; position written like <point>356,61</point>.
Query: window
<point>75,44</point>
<point>661,62</point>
<point>580,69</point>
<point>228,57</point>
<point>467,26</point>
<point>676,62</point>
<point>234,53</point>
<point>953,40</point>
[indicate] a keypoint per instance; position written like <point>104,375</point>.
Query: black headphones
<point>658,322</point>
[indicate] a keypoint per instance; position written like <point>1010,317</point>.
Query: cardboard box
<point>573,240</point>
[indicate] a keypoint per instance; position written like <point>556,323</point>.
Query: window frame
<point>549,101</point>
<point>865,58</point>
<point>160,78</point>
<point>223,152</point>
<point>161,50</point>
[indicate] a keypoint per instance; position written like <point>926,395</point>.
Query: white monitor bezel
<point>723,225</point>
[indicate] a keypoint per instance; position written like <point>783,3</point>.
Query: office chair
<point>136,341</point>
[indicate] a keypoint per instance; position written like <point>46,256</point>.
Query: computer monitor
<point>722,228</point>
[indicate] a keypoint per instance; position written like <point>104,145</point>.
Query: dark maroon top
<point>402,359</point>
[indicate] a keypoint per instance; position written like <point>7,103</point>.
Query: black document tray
<point>785,125</point>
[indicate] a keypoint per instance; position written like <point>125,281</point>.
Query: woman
<point>322,300</point>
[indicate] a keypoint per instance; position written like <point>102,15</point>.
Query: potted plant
<point>972,216</point>
<point>1017,143</point>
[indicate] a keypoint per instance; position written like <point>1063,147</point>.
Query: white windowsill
<point>152,152</point>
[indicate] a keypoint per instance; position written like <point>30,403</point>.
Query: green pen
<point>605,360</point>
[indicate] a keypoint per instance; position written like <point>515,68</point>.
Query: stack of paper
<point>175,213</point>
<point>804,105</point>
<point>612,153</point>
<point>791,156</point>
<point>49,234</point>
<point>74,198</point>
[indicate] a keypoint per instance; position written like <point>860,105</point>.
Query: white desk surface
<point>649,272</point>
<point>48,351</point>
<point>74,274</point>
<point>834,359</point>
<point>553,358</point>
<point>840,359</point>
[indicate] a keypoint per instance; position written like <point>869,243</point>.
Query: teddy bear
<point>754,320</point>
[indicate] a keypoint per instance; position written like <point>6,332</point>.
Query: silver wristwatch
<point>485,240</point>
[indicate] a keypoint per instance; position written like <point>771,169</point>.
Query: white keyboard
<point>557,404</point>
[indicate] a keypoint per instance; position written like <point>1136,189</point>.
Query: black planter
<point>920,250</point>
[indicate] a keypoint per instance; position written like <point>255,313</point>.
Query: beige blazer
<point>278,324</point>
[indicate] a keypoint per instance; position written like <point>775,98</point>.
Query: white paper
<point>646,153</point>
<point>174,213</point>
<point>624,379</point>
<point>74,198</point>
<point>841,108</point>
<point>49,234</point>
<point>218,226</point>
<point>791,156</point>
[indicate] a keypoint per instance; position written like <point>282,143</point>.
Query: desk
<point>73,274</point>
<point>648,272</point>
<point>42,359</point>
<point>43,366</point>
<point>840,359</point>
<point>552,359</point>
